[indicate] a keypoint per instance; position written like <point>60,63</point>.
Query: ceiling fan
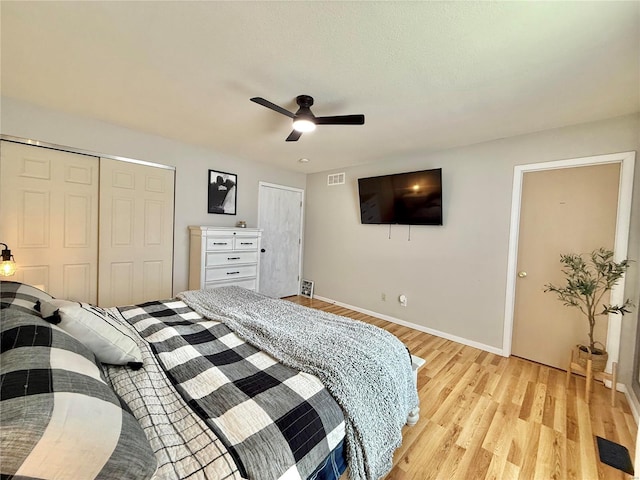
<point>304,120</point>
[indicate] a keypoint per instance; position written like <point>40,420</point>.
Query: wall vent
<point>335,179</point>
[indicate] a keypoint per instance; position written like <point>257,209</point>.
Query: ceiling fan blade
<point>272,106</point>
<point>341,120</point>
<point>294,136</point>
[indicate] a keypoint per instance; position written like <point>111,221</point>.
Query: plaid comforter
<point>275,421</point>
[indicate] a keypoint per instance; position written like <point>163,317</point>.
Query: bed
<point>212,384</point>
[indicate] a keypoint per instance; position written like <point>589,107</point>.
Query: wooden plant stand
<point>590,376</point>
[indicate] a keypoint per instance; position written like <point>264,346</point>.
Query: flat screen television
<point>413,198</point>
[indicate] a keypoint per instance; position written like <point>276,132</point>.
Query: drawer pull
<point>233,258</point>
<point>232,273</point>
<point>246,243</point>
<point>220,243</point>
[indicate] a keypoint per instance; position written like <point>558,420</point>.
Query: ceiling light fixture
<point>303,160</point>
<point>303,125</point>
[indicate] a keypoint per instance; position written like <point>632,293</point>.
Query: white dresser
<point>224,256</point>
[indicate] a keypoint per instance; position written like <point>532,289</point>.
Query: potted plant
<point>586,283</point>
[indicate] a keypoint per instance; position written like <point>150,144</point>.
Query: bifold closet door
<point>136,233</point>
<point>49,218</point>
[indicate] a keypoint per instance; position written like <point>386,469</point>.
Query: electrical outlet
<point>403,300</point>
<point>383,297</point>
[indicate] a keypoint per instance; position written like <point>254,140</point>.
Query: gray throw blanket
<point>365,368</point>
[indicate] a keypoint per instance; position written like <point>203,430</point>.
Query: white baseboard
<point>421,328</point>
<point>632,400</point>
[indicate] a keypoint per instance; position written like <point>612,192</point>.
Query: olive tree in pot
<point>586,284</point>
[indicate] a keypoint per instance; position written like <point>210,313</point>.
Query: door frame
<point>621,242</point>
<point>292,189</point>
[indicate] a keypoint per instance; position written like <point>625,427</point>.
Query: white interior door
<point>567,210</point>
<point>136,233</point>
<point>49,218</point>
<point>280,218</point>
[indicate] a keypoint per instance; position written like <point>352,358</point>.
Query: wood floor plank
<point>588,455</point>
<point>574,472</point>
<point>531,451</point>
<point>450,467</point>
<point>489,417</point>
<point>626,436</point>
<point>551,459</point>
<point>496,468</point>
<point>495,441</point>
<point>560,406</point>
<point>415,464</point>
<point>510,471</point>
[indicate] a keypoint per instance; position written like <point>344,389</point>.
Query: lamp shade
<point>8,264</point>
<point>304,125</point>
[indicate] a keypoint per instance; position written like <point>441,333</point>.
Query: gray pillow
<point>59,417</point>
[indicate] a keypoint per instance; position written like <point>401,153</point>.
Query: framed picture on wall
<point>306,288</point>
<point>223,192</point>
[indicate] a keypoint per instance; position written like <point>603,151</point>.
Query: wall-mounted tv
<point>413,198</point>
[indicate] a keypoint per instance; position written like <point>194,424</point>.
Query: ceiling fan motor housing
<point>304,101</point>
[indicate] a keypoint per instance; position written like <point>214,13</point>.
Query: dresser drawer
<point>219,243</point>
<point>250,243</point>
<point>248,283</point>
<point>231,272</point>
<point>230,258</point>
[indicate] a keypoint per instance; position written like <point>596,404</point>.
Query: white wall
<point>192,164</point>
<point>455,275</point>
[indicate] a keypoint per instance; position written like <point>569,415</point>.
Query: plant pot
<point>598,357</point>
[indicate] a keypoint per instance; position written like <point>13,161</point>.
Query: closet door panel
<point>121,218</point>
<point>120,282</point>
<point>136,233</point>
<point>154,220</point>
<point>36,275</point>
<point>49,218</point>
<point>77,221</point>
<point>33,218</point>
<point>152,270</point>
<point>77,280</point>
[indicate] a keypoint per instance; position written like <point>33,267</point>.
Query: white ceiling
<point>427,75</point>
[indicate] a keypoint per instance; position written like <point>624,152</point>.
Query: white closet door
<point>49,218</point>
<point>136,233</point>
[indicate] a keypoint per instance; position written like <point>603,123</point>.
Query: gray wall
<point>454,276</point>
<point>192,164</point>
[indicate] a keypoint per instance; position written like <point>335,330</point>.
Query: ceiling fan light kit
<point>304,120</point>
<point>303,125</point>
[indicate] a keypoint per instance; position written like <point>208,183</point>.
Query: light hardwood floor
<point>484,416</point>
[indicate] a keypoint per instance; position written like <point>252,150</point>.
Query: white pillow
<point>100,331</point>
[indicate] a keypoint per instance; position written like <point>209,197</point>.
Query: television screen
<point>413,198</point>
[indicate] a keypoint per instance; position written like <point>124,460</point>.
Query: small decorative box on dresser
<point>224,256</point>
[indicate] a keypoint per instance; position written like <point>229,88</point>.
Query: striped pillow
<point>101,332</point>
<point>59,418</point>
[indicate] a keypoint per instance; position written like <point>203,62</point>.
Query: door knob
<point>522,274</point>
<point>262,250</point>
